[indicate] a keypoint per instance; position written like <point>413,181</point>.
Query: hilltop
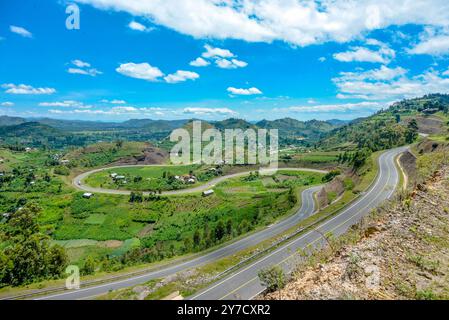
<point>393,126</point>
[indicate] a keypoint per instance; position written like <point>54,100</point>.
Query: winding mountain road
<point>244,283</point>
<point>78,182</point>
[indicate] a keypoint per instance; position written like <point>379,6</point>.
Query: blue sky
<point>254,59</point>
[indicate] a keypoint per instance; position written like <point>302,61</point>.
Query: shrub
<point>272,278</point>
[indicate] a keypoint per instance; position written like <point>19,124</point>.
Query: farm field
<point>115,232</point>
<point>145,178</point>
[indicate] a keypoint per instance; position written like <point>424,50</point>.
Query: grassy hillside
<point>393,126</point>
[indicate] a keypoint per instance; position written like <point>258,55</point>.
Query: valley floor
<point>401,252</point>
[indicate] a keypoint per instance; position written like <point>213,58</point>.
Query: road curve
<point>244,283</point>
<point>307,208</point>
<point>78,181</point>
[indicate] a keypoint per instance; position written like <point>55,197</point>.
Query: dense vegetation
<point>388,128</point>
<point>109,232</point>
<point>54,133</point>
<point>25,253</point>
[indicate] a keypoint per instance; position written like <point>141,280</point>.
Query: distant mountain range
<point>386,128</point>
<point>45,131</point>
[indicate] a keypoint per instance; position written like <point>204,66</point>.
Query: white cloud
<point>115,101</point>
<point>21,31</point>
<point>140,71</point>
<point>26,89</point>
<point>381,54</point>
<point>80,63</point>
<point>386,83</point>
<point>82,68</point>
<point>436,45</point>
<point>296,22</point>
<point>89,72</point>
<point>180,76</point>
<point>199,62</point>
<point>212,52</point>
<point>65,104</point>
<point>245,92</point>
<point>209,111</point>
<point>230,64</point>
<point>224,58</point>
<point>332,108</point>
<point>139,27</point>
<point>115,111</point>
<point>322,59</point>
<point>7,104</point>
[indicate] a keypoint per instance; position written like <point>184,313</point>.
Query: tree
<point>412,131</point>
<point>187,244</point>
<point>196,238</point>
<point>229,227</point>
<point>136,197</point>
<point>219,230</point>
<point>89,266</point>
<point>119,143</point>
<point>272,278</point>
<point>28,255</point>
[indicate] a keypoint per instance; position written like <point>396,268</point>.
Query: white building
<point>208,192</point>
<point>87,195</point>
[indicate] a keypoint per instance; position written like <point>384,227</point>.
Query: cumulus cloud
<point>212,52</point>
<point>296,22</point>
<point>139,27</point>
<point>209,111</point>
<point>332,108</point>
<point>89,72</point>
<point>381,54</point>
<point>224,58</point>
<point>83,68</point>
<point>244,92</point>
<point>181,76</point>
<point>432,42</point>
<point>142,71</point>
<point>65,104</point>
<point>386,83</point>
<point>115,111</point>
<point>80,64</point>
<point>26,89</point>
<point>21,31</point>
<point>230,64</point>
<point>7,104</point>
<point>115,101</point>
<point>199,62</point>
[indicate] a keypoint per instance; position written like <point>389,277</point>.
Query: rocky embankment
<point>401,252</point>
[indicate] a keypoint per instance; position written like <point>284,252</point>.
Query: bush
<point>62,171</point>
<point>272,278</point>
<point>331,175</point>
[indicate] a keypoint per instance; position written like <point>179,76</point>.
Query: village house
<point>208,193</point>
<point>87,195</point>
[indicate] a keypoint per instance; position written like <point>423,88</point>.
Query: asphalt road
<point>307,209</point>
<point>78,182</point>
<point>244,283</point>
